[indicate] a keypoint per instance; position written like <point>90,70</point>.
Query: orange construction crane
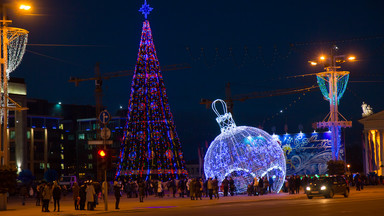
<point>229,99</point>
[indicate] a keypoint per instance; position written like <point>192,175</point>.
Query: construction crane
<point>98,78</point>
<point>229,99</point>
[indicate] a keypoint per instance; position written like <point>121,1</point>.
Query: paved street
<point>370,201</point>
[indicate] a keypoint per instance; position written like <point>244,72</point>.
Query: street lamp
<point>333,84</point>
<point>24,7</point>
<point>13,42</point>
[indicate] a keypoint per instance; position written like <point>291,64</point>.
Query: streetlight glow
<point>313,63</point>
<point>351,58</point>
<point>322,58</point>
<point>25,7</point>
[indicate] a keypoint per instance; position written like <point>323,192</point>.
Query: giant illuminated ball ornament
<point>243,153</point>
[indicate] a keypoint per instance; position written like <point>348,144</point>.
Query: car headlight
<point>323,188</point>
<point>308,188</point>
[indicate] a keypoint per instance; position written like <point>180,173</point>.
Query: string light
<point>243,153</point>
<point>150,145</point>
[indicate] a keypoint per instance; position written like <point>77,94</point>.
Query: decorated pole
<point>13,42</point>
<point>333,84</point>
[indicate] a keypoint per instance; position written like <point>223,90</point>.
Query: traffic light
<point>102,153</point>
<point>101,163</point>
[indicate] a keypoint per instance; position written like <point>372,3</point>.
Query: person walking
<point>266,184</point>
<point>83,196</point>
<point>181,188</point>
<point>192,190</point>
<point>56,193</point>
<point>160,189</point>
<point>210,187</point>
<point>117,189</point>
<point>297,184</point>
<point>225,184</point>
<point>215,185</point>
<point>261,186</point>
<point>198,189</point>
<point>256,186</point>
<point>23,194</point>
<point>270,184</point>
<point>76,195</point>
<point>231,186</point>
<point>141,190</point>
<point>39,189</point>
<point>90,196</point>
<point>46,197</point>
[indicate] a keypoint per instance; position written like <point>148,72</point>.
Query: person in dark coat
<point>181,188</point>
<point>225,184</point>
<point>261,186</point>
<point>192,189</point>
<point>270,184</point>
<point>215,185</point>
<point>76,195</point>
<point>39,189</point>
<point>231,186</point>
<point>83,197</point>
<point>117,188</point>
<point>198,189</point>
<point>141,190</point>
<point>56,193</point>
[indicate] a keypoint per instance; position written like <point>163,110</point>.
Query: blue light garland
<point>324,87</point>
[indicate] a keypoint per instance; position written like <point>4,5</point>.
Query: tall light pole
<point>13,41</point>
<point>333,84</point>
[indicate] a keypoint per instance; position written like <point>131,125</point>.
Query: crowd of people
<point>86,195</point>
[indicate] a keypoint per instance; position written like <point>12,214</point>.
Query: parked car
<point>327,187</point>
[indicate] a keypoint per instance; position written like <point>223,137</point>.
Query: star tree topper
<point>145,9</point>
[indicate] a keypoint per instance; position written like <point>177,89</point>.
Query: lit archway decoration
<point>243,153</point>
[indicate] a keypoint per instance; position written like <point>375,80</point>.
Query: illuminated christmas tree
<point>150,146</point>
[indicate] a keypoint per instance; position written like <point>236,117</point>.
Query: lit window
<point>81,136</point>
<point>28,134</point>
<point>41,165</point>
<point>62,166</point>
<point>61,127</point>
<point>90,166</point>
<point>12,135</point>
<point>62,157</point>
<point>62,137</point>
<point>90,156</point>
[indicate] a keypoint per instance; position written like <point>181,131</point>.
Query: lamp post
<point>333,84</point>
<point>8,36</point>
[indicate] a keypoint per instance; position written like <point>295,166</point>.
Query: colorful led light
<point>243,153</point>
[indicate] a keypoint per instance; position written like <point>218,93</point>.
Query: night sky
<point>280,37</point>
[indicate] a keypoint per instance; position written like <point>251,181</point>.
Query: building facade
<point>373,146</point>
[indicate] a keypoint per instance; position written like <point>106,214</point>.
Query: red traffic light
<point>102,153</point>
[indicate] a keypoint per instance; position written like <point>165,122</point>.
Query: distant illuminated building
<point>373,145</point>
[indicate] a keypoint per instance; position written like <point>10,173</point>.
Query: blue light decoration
<point>307,153</point>
<point>145,9</point>
<point>243,153</point>
<point>150,148</point>
<point>341,86</point>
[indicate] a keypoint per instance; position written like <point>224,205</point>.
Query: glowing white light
<point>308,188</point>
<point>281,111</point>
<point>323,188</point>
<point>244,153</point>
